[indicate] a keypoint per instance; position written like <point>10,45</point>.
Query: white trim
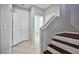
<point>66,39</point>
<point>67,32</point>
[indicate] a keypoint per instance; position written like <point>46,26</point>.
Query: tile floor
<point>25,47</point>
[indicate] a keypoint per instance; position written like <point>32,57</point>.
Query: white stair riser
<point>66,39</point>
<point>65,47</point>
<point>53,50</point>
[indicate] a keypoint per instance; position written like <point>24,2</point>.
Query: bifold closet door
<point>20,25</point>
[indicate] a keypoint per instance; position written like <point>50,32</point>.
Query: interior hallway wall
<point>33,12</point>
<point>52,10</point>
<point>0,28</point>
<point>75,16</point>
<point>6,28</point>
<point>64,23</point>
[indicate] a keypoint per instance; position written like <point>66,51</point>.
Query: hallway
<point>25,47</point>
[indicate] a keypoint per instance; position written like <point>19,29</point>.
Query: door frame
<point>14,7</point>
<point>34,32</point>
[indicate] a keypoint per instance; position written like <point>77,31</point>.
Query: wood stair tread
<point>59,49</point>
<point>70,35</point>
<point>66,43</point>
<point>47,52</point>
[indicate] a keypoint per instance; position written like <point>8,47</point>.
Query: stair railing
<point>45,34</point>
<point>48,23</point>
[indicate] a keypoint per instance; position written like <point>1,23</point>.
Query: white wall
<point>52,10</point>
<point>64,23</point>
<point>0,29</point>
<point>31,24</point>
<point>33,12</point>
<point>6,28</point>
<point>75,16</point>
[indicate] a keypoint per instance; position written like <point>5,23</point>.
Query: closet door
<point>25,25</point>
<point>20,26</point>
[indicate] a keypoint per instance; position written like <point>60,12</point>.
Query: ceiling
<point>42,6</point>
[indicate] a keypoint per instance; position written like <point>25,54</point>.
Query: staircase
<point>64,43</point>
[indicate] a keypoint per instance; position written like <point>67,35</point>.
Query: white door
<point>25,25</point>
<point>20,26</point>
<point>38,24</point>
